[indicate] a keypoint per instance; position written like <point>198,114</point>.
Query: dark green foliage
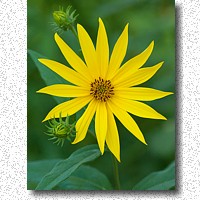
<point>63,169</point>
<point>161,180</point>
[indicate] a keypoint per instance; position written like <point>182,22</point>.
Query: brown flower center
<point>101,89</point>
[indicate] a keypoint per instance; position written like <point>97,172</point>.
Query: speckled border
<point>13,112</point>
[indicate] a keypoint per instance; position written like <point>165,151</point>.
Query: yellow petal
<point>101,125</point>
<point>68,108</point>
<point>140,76</point>
<point>118,53</point>
<point>84,122</point>
<point>131,66</point>
<point>88,51</point>
<point>137,108</point>
<point>140,93</point>
<point>72,58</point>
<point>65,72</point>
<point>102,49</point>
<point>112,136</point>
<point>127,121</point>
<point>62,90</point>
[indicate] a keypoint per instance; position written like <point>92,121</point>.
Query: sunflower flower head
<point>106,86</point>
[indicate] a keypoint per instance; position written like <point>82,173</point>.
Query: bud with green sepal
<point>61,130</point>
<point>64,20</point>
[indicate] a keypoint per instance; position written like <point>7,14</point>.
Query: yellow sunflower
<point>105,85</point>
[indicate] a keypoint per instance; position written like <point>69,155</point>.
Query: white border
<point>13,108</point>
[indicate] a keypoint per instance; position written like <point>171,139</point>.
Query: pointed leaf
<point>36,170</point>
<point>86,178</point>
<point>63,169</point>
<point>46,74</point>
<point>161,180</point>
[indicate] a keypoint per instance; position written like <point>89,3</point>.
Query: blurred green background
<point>148,20</point>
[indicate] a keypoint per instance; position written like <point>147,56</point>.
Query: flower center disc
<point>101,89</point>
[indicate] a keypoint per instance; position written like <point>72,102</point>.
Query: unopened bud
<point>63,19</point>
<point>61,130</point>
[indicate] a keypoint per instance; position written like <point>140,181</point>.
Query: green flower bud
<point>61,130</point>
<point>63,19</point>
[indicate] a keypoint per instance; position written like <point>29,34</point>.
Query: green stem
<point>91,133</point>
<point>74,31</point>
<point>116,172</point>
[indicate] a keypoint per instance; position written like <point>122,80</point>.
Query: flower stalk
<point>115,172</point>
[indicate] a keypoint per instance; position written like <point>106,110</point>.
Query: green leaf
<point>36,170</point>
<point>63,169</point>
<point>86,178</point>
<point>47,75</point>
<point>161,180</point>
